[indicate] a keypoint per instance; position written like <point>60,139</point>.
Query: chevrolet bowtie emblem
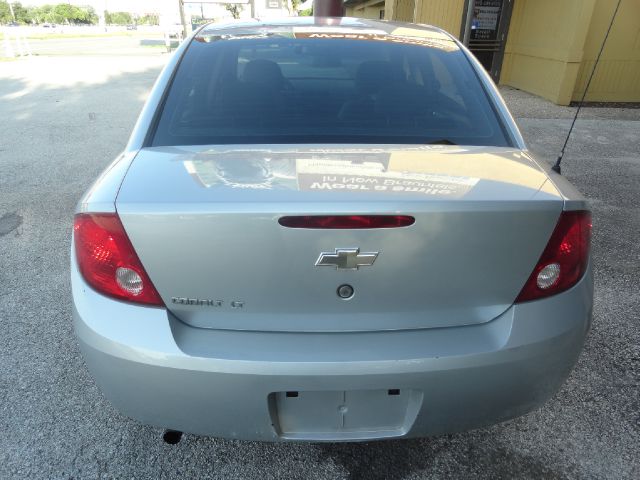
<point>346,259</point>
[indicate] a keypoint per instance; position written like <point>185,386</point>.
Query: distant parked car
<point>49,25</point>
<point>132,27</point>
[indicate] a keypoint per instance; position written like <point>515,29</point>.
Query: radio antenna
<point>556,166</point>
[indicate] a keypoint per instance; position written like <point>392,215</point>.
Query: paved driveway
<point>63,119</point>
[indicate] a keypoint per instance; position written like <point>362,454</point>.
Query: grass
<point>48,36</point>
<point>52,36</point>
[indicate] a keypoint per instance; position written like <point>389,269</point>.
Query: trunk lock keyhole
<point>345,291</point>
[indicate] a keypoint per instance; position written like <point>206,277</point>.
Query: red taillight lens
<point>108,261</point>
<point>347,221</point>
<point>563,261</point>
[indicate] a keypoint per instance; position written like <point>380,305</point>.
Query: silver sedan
<point>328,231</point>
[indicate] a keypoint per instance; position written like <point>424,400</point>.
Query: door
<point>488,36</point>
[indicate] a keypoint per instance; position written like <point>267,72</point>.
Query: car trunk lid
<point>205,224</point>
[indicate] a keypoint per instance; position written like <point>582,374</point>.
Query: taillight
<point>108,261</point>
<point>563,261</point>
<point>347,221</point>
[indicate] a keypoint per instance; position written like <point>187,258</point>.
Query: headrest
<point>263,72</point>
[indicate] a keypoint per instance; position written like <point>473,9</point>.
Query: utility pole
<point>185,33</point>
<point>328,8</point>
<point>102,19</point>
<point>252,5</point>
<point>13,15</point>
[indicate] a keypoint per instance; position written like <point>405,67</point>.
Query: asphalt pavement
<point>63,119</point>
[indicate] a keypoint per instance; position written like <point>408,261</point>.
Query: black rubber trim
<point>151,132</point>
<point>505,131</point>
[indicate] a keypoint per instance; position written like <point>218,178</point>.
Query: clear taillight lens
<point>108,262</point>
<point>563,261</point>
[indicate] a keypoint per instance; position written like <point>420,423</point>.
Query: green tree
<point>234,9</point>
<point>91,16</point>
<point>47,13</point>
<point>75,15</point>
<point>5,13</point>
<point>60,13</point>
<point>64,12</point>
<point>39,14</point>
<point>21,13</point>
<point>117,18</point>
<point>149,20</point>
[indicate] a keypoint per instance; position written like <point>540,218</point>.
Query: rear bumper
<point>162,372</point>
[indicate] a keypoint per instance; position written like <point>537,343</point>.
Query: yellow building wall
<point>401,10</point>
<point>369,9</point>
<point>552,45</point>
<point>545,46</point>
<point>617,77</point>
<point>372,12</point>
<point>445,14</point>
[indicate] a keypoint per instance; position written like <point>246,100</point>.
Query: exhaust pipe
<point>328,8</point>
<point>172,437</point>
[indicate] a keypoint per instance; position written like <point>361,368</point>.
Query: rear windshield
<point>280,89</point>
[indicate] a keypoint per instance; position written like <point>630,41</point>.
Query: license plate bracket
<point>344,415</point>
